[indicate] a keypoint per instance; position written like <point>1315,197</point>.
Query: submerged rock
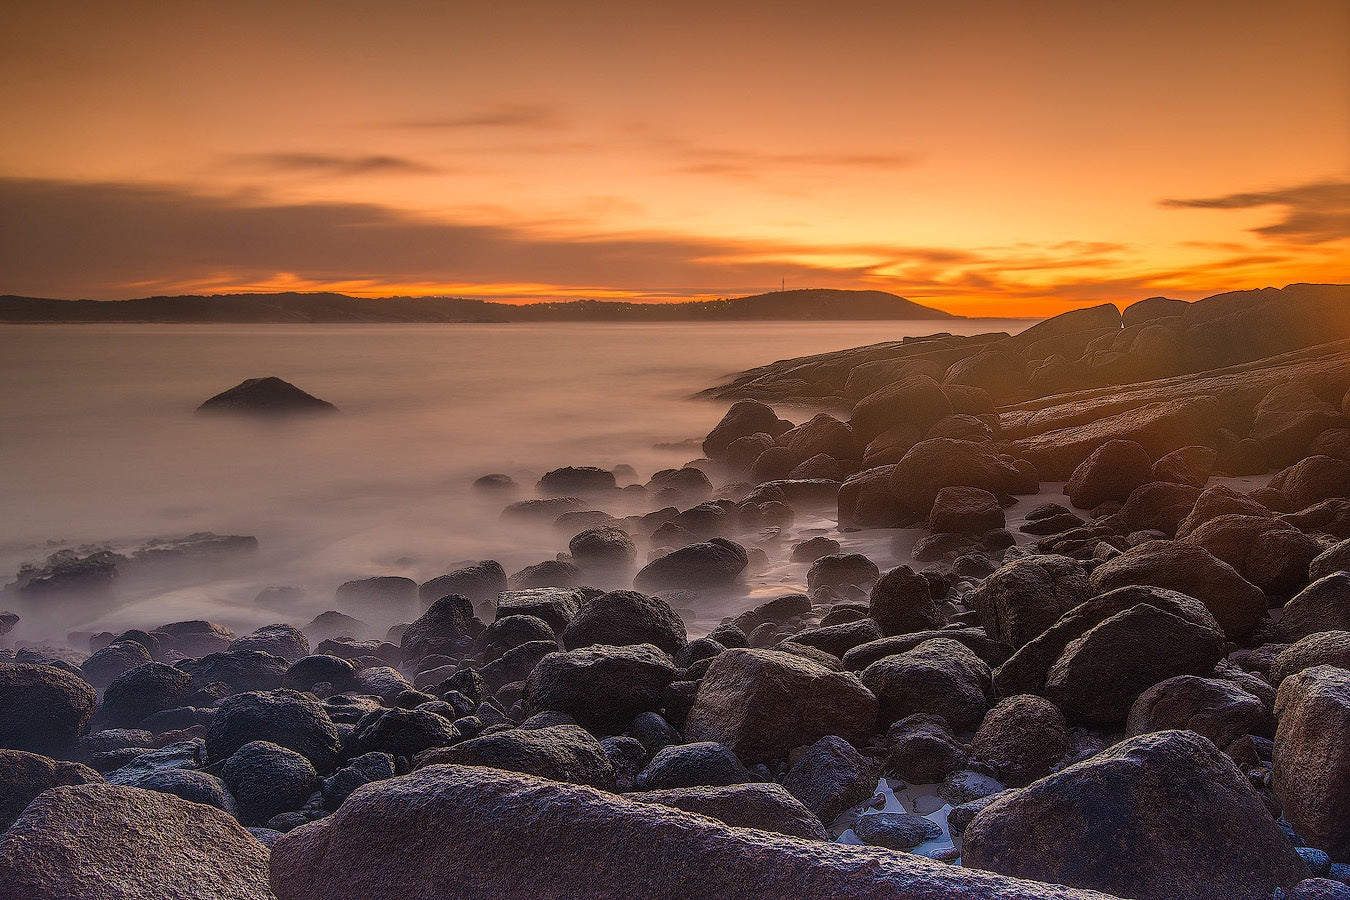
<point>269,396</point>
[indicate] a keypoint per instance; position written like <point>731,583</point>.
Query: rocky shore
<point>1076,624</point>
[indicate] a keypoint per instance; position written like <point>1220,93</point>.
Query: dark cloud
<point>506,115</point>
<point>1312,213</point>
<point>331,164</point>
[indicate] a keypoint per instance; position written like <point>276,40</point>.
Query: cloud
<point>331,164</point>
<point>1312,213</point>
<point>752,165</point>
<point>505,115</point>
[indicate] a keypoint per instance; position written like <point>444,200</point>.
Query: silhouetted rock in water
<point>165,847</point>
<point>573,481</point>
<point>390,595</point>
<point>1163,816</point>
<point>266,397</point>
<point>496,483</point>
<point>67,572</point>
<point>25,775</point>
<point>198,547</point>
<point>489,823</point>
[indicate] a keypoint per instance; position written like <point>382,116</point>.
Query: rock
<point>188,784</point>
<point>359,770</point>
<point>830,776</point>
<point>813,549</point>
<point>556,606</point>
<point>921,749</point>
<point>542,511</point>
<point>447,627</point>
<point>1100,674</point>
<point>744,418</point>
<point>384,682</point>
<point>166,848</point>
<point>967,785</point>
<point>43,709</point>
<point>495,483</point>
<point>1319,889</point>
<point>558,752</point>
<point>866,501</point>
<point>689,482</point>
<point>602,687</point>
<point>1312,756</point>
<point>1156,506</point>
<point>242,670</point>
<point>25,775</point>
<point>901,602</point>
<point>918,402</point>
<point>285,641</point>
<point>837,640</point>
<point>1269,553</point>
<point>267,779</point>
<point>716,563</point>
<point>1236,603</point>
<point>1186,465</point>
<point>1334,559</point>
<point>1026,596</point>
<point>1163,816</point>
<point>510,632</point>
<point>622,618</point>
<point>304,673</point>
<point>1219,500</point>
<point>692,765</point>
<point>777,611</point>
<point>114,659</point>
<point>388,595</point>
<point>1323,605</point>
<point>603,548</point>
<point>573,481</point>
<point>1021,739</point>
<point>1218,710</point>
<point>764,703</point>
<point>481,582</point>
<point>1324,648</point>
<point>400,732</point>
<point>549,573</point>
<point>763,806</point>
<point>992,652</point>
<point>288,718</point>
<point>934,464</point>
<point>488,827</point>
<point>1308,481</point>
<point>516,664</point>
<point>896,831</point>
<point>268,396</point>
<point>839,571</point>
<point>939,676</point>
<point>1111,472</point>
<point>965,510</point>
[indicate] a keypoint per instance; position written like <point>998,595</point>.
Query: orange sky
<point>999,158</point>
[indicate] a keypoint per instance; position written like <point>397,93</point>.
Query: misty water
<point>99,445</point>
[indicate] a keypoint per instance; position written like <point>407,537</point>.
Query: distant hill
<point>803,305</point>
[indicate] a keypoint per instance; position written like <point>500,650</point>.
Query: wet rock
<point>304,673</point>
<point>603,548</point>
<point>25,775</point>
<point>558,752</point>
<point>896,831</point>
<point>267,779</point>
<point>384,682</point>
<point>481,582</point>
<point>776,611</point>
<point>965,510</point>
<point>489,824</point>
<point>549,573</point>
<point>1026,596</point>
<point>692,765</point>
<point>716,563</point>
<point>839,571</point>
<point>43,709</point>
<point>622,618</point>
<point>556,606</point>
<point>1308,481</point>
<point>269,396</point>
<point>1334,559</point>
<point>188,784</point>
<point>744,418</point>
<point>1021,739</point>
<point>813,549</point>
<point>1236,603</point>
<point>939,676</point>
<point>389,595</point>
<point>1156,506</point>
<point>917,401</point>
<point>291,719</point>
<point>242,670</point>
<point>511,631</point>
<point>602,687</point>
<point>866,501</point>
<point>976,640</point>
<point>689,483</point>
<point>1323,605</point>
<point>766,807</point>
<point>1312,756</point>
<point>764,703</point>
<point>1163,816</point>
<point>1111,472</point>
<point>830,776</point>
<point>517,663</point>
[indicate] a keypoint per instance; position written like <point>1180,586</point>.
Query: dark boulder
<point>267,779</point>
<point>934,464</point>
<point>744,418</point>
<point>510,632</point>
<point>939,676</point>
<point>965,510</point>
<point>481,582</point>
<point>120,656</point>
<point>866,501</point>
<point>1021,739</point>
<point>830,776</point>
<point>901,602</point>
<point>716,563</point>
<point>304,673</point>
<point>189,784</point>
<point>25,775</point>
<point>399,732</point>
<point>557,752</point>
<point>692,765</point>
<point>447,627</point>
<point>549,573</point>
<point>285,641</point>
<point>556,606</point>
<point>1028,595</point>
<point>1219,710</point>
<point>921,749</point>
<point>575,481</point>
<point>1267,552</point>
<point>1186,465</point>
<point>1324,648</point>
<point>896,831</point>
<point>602,687</point>
<point>839,571</point>
<point>1111,472</point>
<point>1323,605</point>
<point>762,806</point>
<point>270,396</point>
<point>291,719</point>
<point>142,691</point>
<point>622,618</point>
<point>359,770</point>
<point>388,595</point>
<point>836,640</point>
<point>1312,756</point>
<point>776,611</point>
<point>43,709</point>
<point>242,670</point>
<point>1163,816</point>
<point>917,401</point>
<point>603,548</point>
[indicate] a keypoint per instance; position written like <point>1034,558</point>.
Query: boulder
<point>1335,558</point>
<point>288,718</point>
<point>764,703</point>
<point>1163,816</point>
<point>576,481</point>
<point>269,396</point>
<point>266,779</point>
<point>1218,710</point>
<point>603,548</point>
<point>840,571</point>
<point>1323,648</point>
<point>1308,481</point>
<point>1026,596</point>
<point>188,784</point>
<point>939,676</point>
<point>901,602</point>
<point>144,690</point>
<point>921,749</point>
<point>447,627</point>
<point>285,641</point>
<point>965,510</point>
<point>359,770</point>
<point>43,709</point>
<point>1156,506</point>
<point>1111,472</point>
<point>994,653</point>
<point>1237,604</point>
<point>106,664</point>
<point>25,775</point>
<point>557,752</point>
<point>1287,419</point>
<point>481,582</point>
<point>1312,756</point>
<point>866,501</point>
<point>622,618</point>
<point>691,765</point>
<point>389,595</point>
<point>744,418</point>
<point>1021,739</point>
<point>602,687</point>
<point>1219,500</point>
<point>836,640</point>
<point>400,732</point>
<point>556,606</point>
<point>242,670</point>
<point>488,825</point>
<point>304,673</point>
<point>716,563</point>
<point>549,573</point>
<point>934,464</point>
<point>1323,605</point>
<point>777,611</point>
<point>830,777</point>
<point>763,806</point>
<point>1186,465</point>
<point>1271,554</point>
<point>896,831</point>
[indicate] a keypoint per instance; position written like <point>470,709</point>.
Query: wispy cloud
<point>753,165</point>
<point>537,116</point>
<point>331,164</point>
<point>1311,213</point>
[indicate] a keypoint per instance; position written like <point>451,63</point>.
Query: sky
<point>986,158</point>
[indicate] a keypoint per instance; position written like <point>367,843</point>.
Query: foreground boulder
<point>25,775</point>
<point>104,840</point>
<point>43,709</point>
<point>269,396</point>
<point>488,826</point>
<point>764,703</point>
<point>1163,816</point>
<point>1312,756</point>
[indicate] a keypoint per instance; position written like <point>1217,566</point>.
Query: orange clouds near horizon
<point>983,158</point>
